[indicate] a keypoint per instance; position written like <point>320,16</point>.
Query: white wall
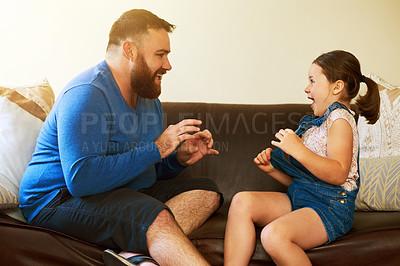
<point>226,51</point>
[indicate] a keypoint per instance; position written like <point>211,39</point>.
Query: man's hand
<point>175,134</point>
<point>192,150</point>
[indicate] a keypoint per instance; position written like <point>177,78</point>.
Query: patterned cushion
<point>380,154</point>
<point>380,184</point>
<point>383,138</point>
<point>22,112</point>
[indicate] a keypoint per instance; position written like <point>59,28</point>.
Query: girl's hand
<point>263,160</point>
<point>289,142</point>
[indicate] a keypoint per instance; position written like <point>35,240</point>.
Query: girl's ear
<point>338,87</point>
<point>130,50</point>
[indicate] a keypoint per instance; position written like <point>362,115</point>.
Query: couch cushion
<point>23,244</point>
<point>240,132</point>
<point>373,236</point>
<point>22,112</point>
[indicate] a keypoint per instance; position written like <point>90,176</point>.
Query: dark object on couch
<point>240,133</point>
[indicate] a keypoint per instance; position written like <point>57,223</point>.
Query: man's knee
<point>164,220</point>
<point>206,200</point>
<point>164,226</point>
<point>211,197</point>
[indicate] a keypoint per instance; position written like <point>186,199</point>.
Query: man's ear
<point>130,50</point>
<point>338,87</point>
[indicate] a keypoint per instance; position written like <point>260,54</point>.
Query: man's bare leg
<point>192,208</point>
<point>168,245</point>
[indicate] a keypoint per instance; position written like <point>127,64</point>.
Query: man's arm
<point>169,167</point>
<point>83,137</point>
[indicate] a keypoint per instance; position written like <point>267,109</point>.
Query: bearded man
<point>103,171</point>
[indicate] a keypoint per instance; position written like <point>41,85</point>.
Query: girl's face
<point>319,90</point>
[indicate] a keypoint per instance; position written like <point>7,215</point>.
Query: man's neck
<point>120,72</point>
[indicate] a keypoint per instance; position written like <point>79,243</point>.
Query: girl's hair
<point>342,65</point>
<point>134,24</point>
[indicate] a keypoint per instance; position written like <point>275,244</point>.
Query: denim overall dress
<point>334,205</point>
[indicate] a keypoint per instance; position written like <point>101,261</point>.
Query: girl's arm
<point>263,161</point>
<point>335,168</point>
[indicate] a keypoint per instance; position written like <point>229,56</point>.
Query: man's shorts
<point>116,219</point>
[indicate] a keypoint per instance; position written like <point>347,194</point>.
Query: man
<point>102,167</point>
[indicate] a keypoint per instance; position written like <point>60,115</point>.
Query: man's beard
<point>142,80</point>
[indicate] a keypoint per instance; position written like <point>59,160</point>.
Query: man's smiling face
<point>151,64</point>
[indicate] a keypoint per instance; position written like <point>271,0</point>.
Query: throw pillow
<point>379,154</point>
<point>22,112</point>
<point>379,184</point>
<point>382,139</point>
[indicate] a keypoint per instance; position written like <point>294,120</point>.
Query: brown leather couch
<point>240,132</point>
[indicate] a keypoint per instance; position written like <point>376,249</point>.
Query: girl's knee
<point>273,237</point>
<point>241,200</point>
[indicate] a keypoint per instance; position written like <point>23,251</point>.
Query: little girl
<point>319,164</point>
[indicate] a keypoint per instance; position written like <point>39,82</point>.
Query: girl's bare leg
<point>286,238</point>
<point>248,209</point>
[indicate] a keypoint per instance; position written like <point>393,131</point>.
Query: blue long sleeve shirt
<point>93,141</point>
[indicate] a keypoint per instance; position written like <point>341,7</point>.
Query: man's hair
<point>133,25</point>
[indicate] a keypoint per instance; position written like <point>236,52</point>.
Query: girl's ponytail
<point>368,105</point>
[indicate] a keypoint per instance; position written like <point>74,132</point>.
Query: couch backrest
<point>240,132</point>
